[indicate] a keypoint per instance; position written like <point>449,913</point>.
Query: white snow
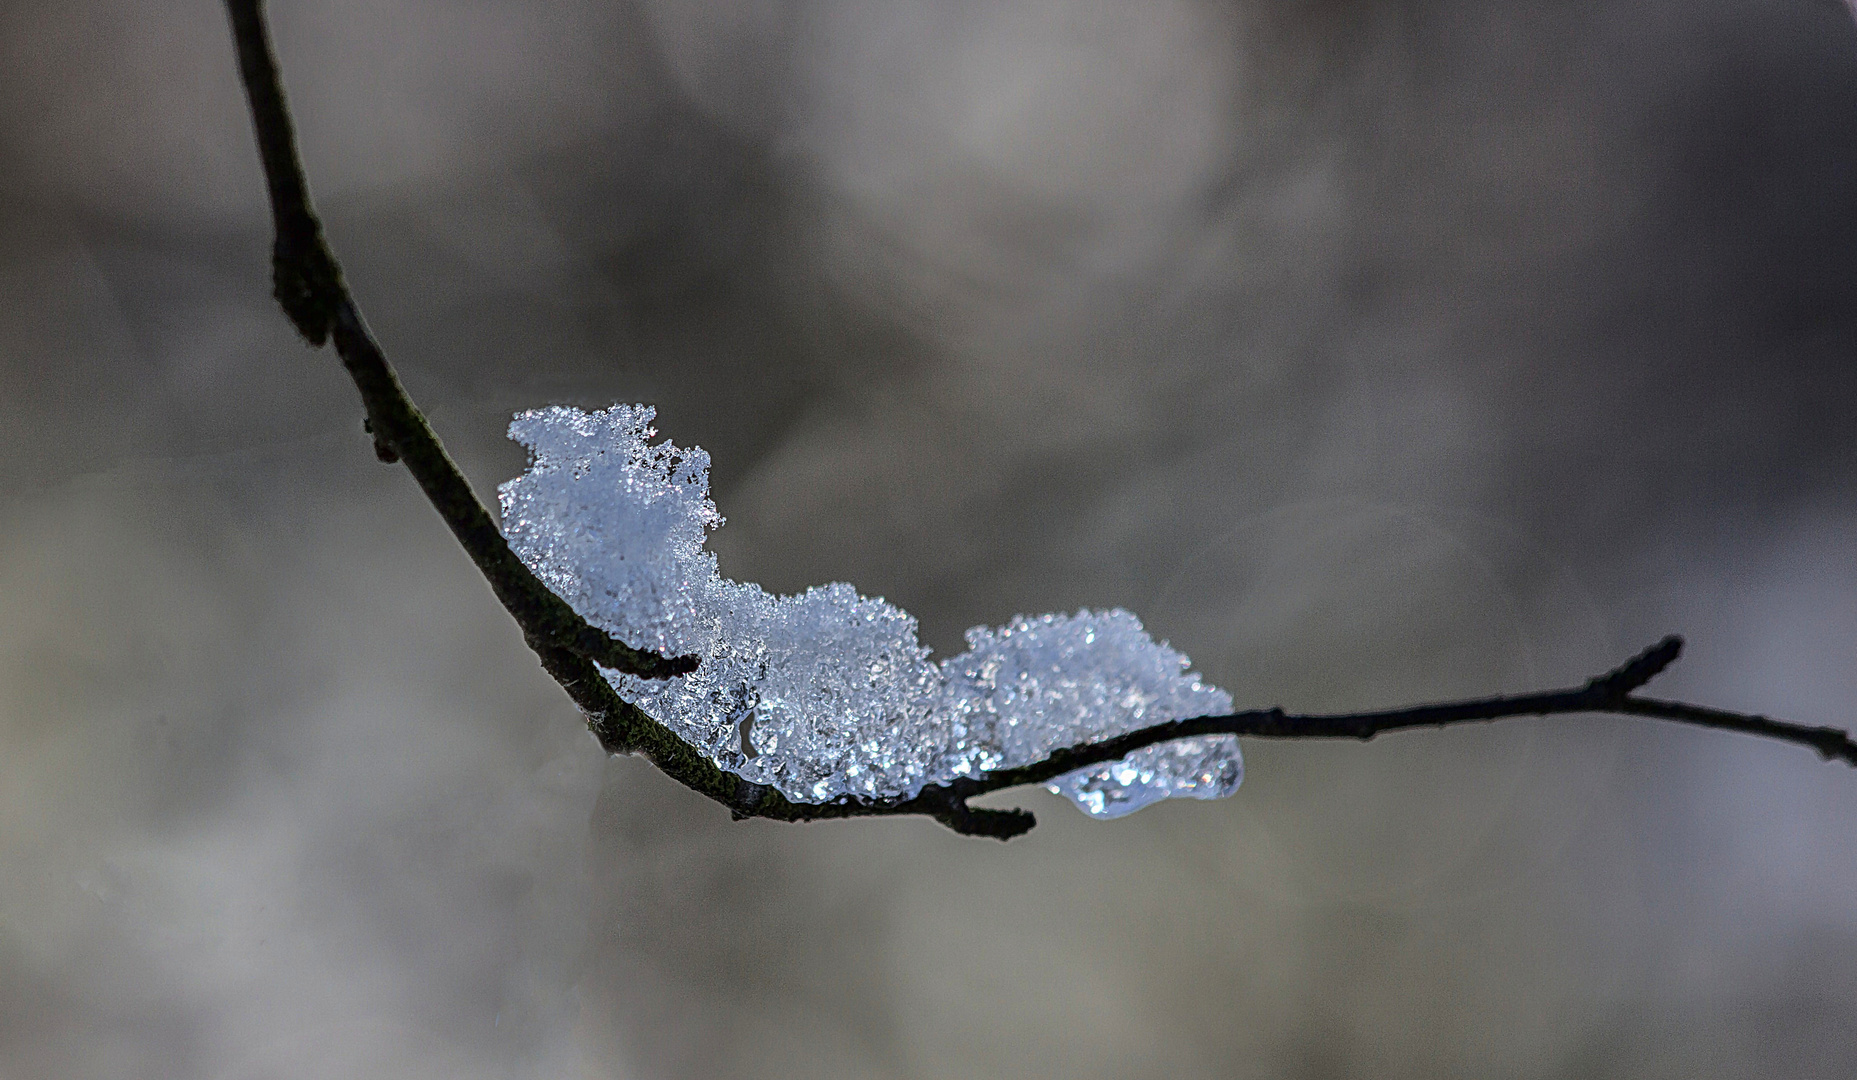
<point>829,693</point>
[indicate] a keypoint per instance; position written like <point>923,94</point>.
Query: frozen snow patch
<point>829,693</point>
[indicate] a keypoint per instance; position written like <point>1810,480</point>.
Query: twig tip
<point>1640,669</point>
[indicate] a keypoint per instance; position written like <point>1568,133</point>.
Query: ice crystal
<point>829,693</point>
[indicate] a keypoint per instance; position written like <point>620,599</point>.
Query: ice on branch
<point>829,694</point>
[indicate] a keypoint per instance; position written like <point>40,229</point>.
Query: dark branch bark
<point>308,284</point>
<point>1608,693</point>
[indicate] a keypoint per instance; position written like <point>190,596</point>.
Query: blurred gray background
<point>1372,351</point>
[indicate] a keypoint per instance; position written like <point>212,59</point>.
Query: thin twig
<point>1609,693</point>
<point>309,286</point>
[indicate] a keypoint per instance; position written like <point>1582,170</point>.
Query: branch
<point>308,285</point>
<point>1608,693</point>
